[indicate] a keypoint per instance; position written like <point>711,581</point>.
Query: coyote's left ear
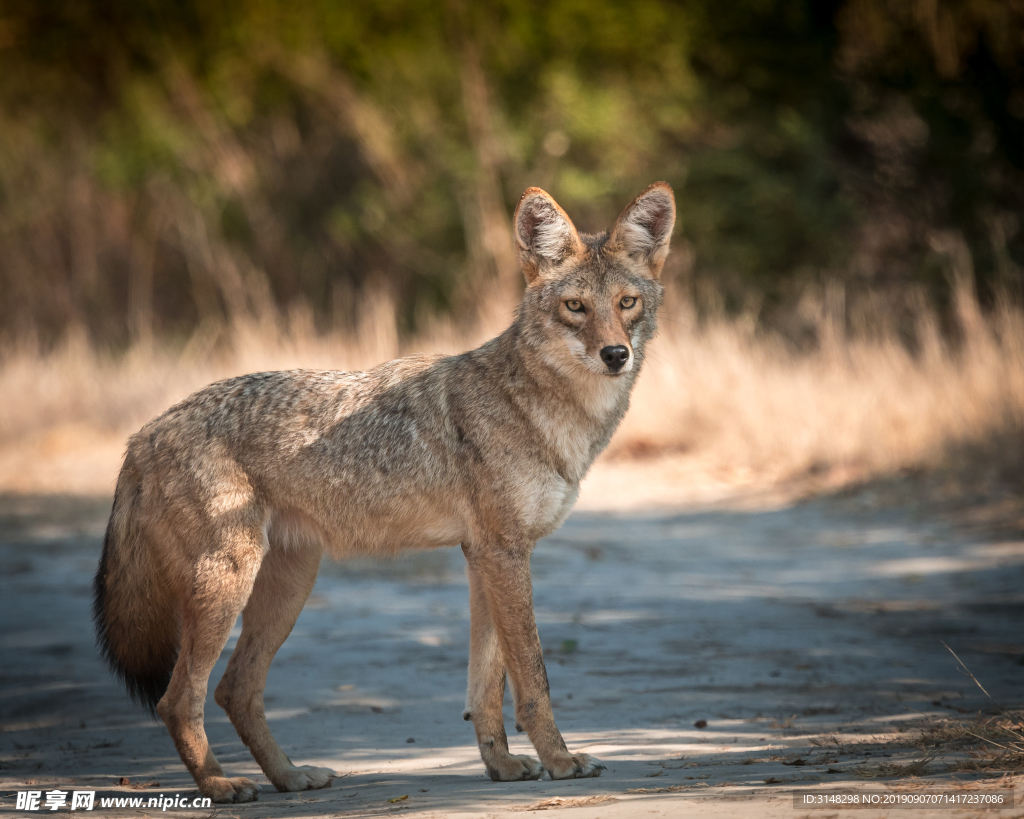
<point>644,228</point>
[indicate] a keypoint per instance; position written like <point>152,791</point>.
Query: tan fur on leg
<point>219,591</point>
<point>504,574</point>
<point>282,586</point>
<point>486,693</point>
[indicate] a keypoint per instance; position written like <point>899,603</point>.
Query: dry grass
<point>989,745</point>
<point>992,745</point>
<point>893,770</point>
<point>719,400</point>
<point>751,408</point>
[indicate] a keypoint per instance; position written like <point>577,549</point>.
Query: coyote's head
<point>590,301</point>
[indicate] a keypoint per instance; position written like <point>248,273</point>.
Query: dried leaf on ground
<point>556,802</point>
<point>670,788</point>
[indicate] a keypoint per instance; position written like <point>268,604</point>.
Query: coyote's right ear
<point>545,235</point>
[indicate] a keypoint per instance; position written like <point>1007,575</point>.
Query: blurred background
<point>193,190</point>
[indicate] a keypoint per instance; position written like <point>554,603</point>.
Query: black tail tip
<point>147,679</point>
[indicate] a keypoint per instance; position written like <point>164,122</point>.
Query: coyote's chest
<point>544,502</point>
<point>570,438</point>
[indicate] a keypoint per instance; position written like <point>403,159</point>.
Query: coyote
<point>225,503</point>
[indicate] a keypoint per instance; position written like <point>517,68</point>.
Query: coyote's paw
<point>574,766</point>
<point>505,767</point>
<point>222,789</point>
<point>305,778</point>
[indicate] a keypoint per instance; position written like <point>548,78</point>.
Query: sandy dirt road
<point>812,633</point>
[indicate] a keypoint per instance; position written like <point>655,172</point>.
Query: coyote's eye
<point>576,306</point>
<point>627,302</point>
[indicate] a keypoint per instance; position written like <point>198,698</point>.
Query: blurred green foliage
<point>169,165</point>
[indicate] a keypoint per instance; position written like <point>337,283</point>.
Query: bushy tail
<point>134,612</point>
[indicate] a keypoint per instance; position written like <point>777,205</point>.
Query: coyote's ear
<point>644,228</point>
<point>545,235</point>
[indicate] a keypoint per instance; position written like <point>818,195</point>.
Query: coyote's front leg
<point>502,571</point>
<point>487,691</point>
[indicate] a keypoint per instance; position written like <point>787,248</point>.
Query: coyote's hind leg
<point>218,590</point>
<point>282,586</point>
<point>487,691</point>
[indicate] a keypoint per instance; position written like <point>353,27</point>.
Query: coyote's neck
<point>574,411</point>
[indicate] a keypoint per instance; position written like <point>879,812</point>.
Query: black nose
<point>615,357</point>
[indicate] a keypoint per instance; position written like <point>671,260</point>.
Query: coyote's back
<point>225,502</point>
